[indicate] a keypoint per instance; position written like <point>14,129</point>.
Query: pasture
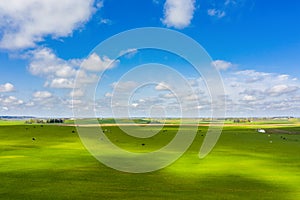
<point>50,162</point>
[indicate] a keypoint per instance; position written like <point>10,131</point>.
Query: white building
<point>261,130</point>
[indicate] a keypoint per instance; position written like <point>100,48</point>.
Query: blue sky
<point>254,44</point>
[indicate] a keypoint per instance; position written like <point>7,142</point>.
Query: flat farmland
<point>49,162</point>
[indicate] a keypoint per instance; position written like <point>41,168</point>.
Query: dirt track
<point>212,124</point>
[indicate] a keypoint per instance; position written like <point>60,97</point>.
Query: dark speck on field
<point>73,131</point>
<point>143,144</point>
<point>33,138</point>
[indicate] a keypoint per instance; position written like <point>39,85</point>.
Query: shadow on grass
<point>102,183</point>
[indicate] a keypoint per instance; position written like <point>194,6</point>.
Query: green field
<point>11,122</point>
<point>243,165</point>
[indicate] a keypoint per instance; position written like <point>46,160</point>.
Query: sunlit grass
<point>55,165</point>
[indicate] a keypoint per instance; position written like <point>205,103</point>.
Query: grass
<point>11,122</point>
<point>243,165</point>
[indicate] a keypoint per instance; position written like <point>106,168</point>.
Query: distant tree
<point>51,121</point>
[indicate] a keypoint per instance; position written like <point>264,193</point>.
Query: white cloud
<point>135,105</point>
<point>216,13</point>
<point>7,87</point>
<point>42,94</point>
<point>281,89</point>
<point>178,13</point>
<point>76,93</point>
<point>283,77</point>
<point>254,76</point>
<point>96,63</point>
<point>99,4</point>
<point>124,86</point>
<point>250,92</point>
<point>5,108</point>
<point>61,83</point>
<point>129,53</point>
<point>191,97</point>
<point>74,102</point>
<point>106,21</point>
<point>83,78</point>
<point>30,104</point>
<point>60,73</point>
<point>27,23</point>
<point>10,101</point>
<point>162,86</point>
<point>222,65</point>
<point>228,2</point>
<point>252,73</point>
<point>45,63</point>
<point>108,94</point>
<point>249,98</point>
<point>169,95</point>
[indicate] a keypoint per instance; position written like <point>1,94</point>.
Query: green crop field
<point>50,162</point>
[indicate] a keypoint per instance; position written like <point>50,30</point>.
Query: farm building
<point>261,130</point>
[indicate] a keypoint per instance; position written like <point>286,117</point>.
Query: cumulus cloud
<point>191,97</point>
<point>96,63</point>
<point>10,101</point>
<point>76,93</point>
<point>9,104</point>
<point>169,95</point>
<point>4,108</point>
<point>162,86</point>
<point>124,86</point>
<point>7,87</point>
<point>74,102</point>
<point>283,77</point>
<point>22,25</point>
<point>108,94</point>
<point>281,89</point>
<point>252,76</point>
<point>44,62</point>
<point>260,93</point>
<point>249,98</point>
<point>60,73</point>
<point>82,78</point>
<point>222,65</point>
<point>178,13</point>
<point>42,94</point>
<point>30,104</point>
<point>61,83</point>
<point>248,93</point>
